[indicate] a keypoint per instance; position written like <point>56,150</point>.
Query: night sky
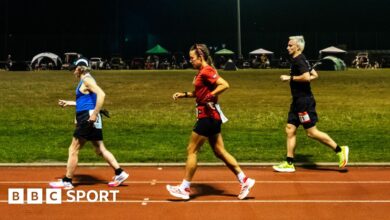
<point>129,28</point>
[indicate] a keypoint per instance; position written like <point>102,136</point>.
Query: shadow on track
<point>201,190</point>
<point>85,179</point>
<point>308,164</point>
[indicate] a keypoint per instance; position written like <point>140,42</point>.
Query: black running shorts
<point>85,129</point>
<point>207,127</point>
<point>303,111</point>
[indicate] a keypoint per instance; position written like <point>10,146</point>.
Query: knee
<point>290,131</point>
<point>74,150</point>
<point>191,154</point>
<point>310,134</point>
<point>218,153</point>
<point>190,151</point>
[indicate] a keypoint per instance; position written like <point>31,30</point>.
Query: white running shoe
<point>118,179</point>
<point>246,187</point>
<point>60,184</point>
<point>177,191</point>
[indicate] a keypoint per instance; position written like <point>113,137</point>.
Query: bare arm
<point>305,77</point>
<point>222,85</point>
<point>313,74</point>
<point>64,103</point>
<point>100,96</point>
<point>179,95</point>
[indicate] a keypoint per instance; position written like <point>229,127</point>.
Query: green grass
<point>147,126</point>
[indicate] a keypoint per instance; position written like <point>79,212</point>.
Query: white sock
<point>241,176</point>
<point>185,184</point>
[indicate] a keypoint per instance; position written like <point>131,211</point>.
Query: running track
<point>310,193</point>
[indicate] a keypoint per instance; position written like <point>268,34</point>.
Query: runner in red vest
<point>208,86</point>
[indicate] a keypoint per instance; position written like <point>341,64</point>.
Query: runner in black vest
<point>303,107</point>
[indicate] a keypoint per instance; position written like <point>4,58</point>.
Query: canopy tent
<point>330,63</point>
<point>224,52</point>
<point>261,51</point>
<point>332,49</point>
<point>39,57</point>
<point>157,50</point>
<point>229,65</point>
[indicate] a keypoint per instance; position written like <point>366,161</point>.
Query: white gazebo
<point>38,58</point>
<point>332,49</point>
<point>261,51</point>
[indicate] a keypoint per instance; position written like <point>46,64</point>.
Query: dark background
<point>129,28</point>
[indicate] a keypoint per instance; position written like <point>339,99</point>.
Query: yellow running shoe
<point>284,167</point>
<point>343,156</point>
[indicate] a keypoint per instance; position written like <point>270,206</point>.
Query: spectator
<point>264,62</point>
<point>9,62</point>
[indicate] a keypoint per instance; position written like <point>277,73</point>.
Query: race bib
<point>304,117</point>
<point>98,123</point>
<point>197,112</point>
<point>223,117</point>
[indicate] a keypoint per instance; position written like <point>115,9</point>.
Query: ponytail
<point>201,50</point>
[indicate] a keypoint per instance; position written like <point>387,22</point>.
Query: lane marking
<point>146,200</point>
<point>225,182</point>
<point>204,164</point>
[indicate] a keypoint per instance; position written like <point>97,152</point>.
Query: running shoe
<point>246,187</point>
<point>284,167</point>
<point>60,184</point>
<point>178,192</point>
<point>343,156</point>
<point>118,179</point>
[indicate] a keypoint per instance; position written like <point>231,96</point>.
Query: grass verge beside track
<point>147,126</point>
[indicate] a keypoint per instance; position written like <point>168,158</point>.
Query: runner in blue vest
<point>89,102</point>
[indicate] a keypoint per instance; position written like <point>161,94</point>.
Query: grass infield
<point>148,126</point>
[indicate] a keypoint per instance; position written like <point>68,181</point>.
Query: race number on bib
<point>304,117</point>
<point>98,123</point>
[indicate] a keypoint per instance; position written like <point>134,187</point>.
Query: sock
<point>241,177</point>
<point>338,149</point>
<point>290,160</point>
<point>66,179</point>
<point>185,184</point>
<point>118,171</point>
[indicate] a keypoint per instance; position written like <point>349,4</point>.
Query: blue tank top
<point>84,101</point>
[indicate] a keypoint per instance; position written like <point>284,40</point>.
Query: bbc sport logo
<point>54,196</point>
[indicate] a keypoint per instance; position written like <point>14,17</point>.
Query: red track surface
<point>321,193</point>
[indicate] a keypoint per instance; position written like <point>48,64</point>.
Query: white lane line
<point>146,200</point>
<point>225,182</point>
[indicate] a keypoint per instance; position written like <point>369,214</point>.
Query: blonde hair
<point>85,69</point>
<point>300,41</point>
